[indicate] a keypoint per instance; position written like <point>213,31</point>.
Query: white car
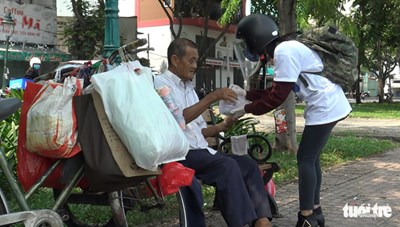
<point>65,69</point>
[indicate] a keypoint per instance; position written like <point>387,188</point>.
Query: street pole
<point>8,22</point>
<point>111,29</point>
<point>5,73</point>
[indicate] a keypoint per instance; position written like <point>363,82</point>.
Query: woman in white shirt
<point>326,103</point>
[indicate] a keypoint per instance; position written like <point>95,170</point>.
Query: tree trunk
<point>287,142</point>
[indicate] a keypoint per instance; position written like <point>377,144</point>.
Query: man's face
<point>187,65</point>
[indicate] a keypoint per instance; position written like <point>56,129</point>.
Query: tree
<point>184,8</point>
<point>84,33</point>
<point>286,11</point>
<point>378,27</point>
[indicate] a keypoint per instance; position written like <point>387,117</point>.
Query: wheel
<point>182,210</point>
<point>171,212</point>
<point>259,147</point>
<point>3,206</point>
<point>85,210</point>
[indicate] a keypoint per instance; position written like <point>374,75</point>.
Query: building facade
<point>34,35</point>
<point>220,68</point>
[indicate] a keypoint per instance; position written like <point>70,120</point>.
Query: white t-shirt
<point>326,101</point>
<point>185,96</point>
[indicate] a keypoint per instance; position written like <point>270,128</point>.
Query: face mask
<point>36,66</point>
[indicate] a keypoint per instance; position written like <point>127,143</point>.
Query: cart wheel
<point>170,211</point>
<point>3,206</point>
<point>76,213</point>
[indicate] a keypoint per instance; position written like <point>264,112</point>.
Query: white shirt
<point>326,101</point>
<point>185,96</point>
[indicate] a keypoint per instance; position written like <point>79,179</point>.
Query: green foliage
<point>376,110</point>
<point>378,25</point>
<point>9,135</point>
<point>84,33</point>
<point>242,126</point>
<point>268,7</point>
<point>231,8</point>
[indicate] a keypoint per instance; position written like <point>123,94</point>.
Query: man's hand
<point>225,94</point>
<point>227,123</point>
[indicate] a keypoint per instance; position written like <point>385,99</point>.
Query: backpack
<point>339,54</point>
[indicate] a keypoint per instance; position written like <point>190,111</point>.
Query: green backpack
<point>339,55</point>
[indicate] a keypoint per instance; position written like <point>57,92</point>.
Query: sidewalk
<point>359,184</point>
<point>370,181</point>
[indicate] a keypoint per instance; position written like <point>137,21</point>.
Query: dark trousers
<point>240,195</point>
<point>312,142</point>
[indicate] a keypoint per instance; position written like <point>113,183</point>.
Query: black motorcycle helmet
<point>257,31</point>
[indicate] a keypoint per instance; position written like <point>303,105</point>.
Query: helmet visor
<point>249,63</point>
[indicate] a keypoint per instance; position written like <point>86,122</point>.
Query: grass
<point>367,110</point>
<point>339,150</point>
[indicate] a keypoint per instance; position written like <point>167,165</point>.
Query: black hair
<point>178,48</point>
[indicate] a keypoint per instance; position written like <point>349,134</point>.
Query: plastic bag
<point>226,108</point>
<point>51,123</point>
<point>108,166</point>
<point>30,166</point>
<point>139,116</point>
<point>174,175</point>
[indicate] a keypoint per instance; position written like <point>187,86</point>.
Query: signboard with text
<point>33,23</point>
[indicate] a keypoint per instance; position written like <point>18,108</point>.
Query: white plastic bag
<point>226,107</point>
<point>140,118</point>
<point>51,127</point>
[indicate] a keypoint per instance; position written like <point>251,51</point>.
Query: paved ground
<point>367,182</point>
<point>360,184</point>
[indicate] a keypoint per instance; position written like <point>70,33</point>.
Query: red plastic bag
<point>30,166</point>
<point>174,175</point>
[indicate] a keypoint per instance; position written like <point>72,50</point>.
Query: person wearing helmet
<point>33,70</point>
<point>326,104</point>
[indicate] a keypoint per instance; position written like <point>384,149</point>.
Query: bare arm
<point>215,129</point>
<point>194,111</point>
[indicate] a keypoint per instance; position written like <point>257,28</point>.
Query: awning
<point>25,53</point>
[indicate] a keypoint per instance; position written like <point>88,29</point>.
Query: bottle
<point>164,93</point>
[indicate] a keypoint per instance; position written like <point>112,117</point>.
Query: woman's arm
<point>270,99</point>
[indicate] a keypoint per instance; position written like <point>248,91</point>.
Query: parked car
<point>65,69</point>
